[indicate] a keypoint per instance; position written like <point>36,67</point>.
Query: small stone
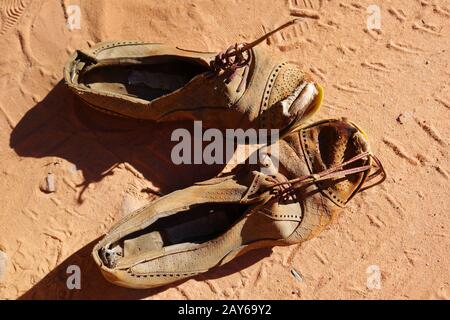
<point>404,117</point>
<point>3,264</point>
<point>48,185</point>
<point>72,168</point>
<point>297,275</point>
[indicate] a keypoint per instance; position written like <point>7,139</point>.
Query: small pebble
<point>297,275</point>
<point>48,185</point>
<point>72,169</point>
<point>404,117</point>
<point>3,264</point>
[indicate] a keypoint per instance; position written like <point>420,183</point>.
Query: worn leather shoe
<point>242,87</point>
<point>187,232</point>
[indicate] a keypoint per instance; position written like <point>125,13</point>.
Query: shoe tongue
<point>328,144</point>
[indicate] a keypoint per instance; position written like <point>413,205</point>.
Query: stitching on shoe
<point>267,90</point>
<point>139,275</point>
<point>116,114</point>
<point>114,44</point>
<point>270,213</point>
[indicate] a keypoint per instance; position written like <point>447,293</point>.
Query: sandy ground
<point>394,83</point>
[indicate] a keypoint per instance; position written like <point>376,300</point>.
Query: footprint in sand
<point>400,151</point>
<point>399,14</point>
<point>308,12</point>
<point>10,13</point>
<point>403,48</point>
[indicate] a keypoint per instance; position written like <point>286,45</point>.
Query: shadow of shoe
<point>62,126</point>
<point>94,286</point>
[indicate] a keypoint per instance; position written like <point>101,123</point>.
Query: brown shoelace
<point>239,56</point>
<point>288,187</point>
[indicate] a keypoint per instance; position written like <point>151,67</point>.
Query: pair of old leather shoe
<point>320,166</point>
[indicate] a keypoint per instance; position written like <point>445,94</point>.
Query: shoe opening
<point>196,225</point>
<point>144,80</point>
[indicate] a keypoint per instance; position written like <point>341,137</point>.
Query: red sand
<point>393,83</point>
